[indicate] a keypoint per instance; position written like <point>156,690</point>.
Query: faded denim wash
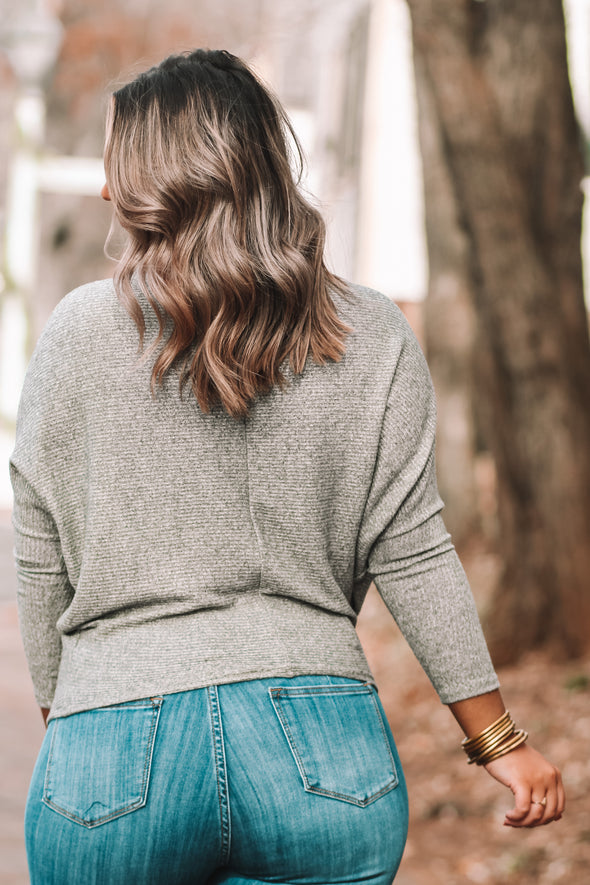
<point>273,780</point>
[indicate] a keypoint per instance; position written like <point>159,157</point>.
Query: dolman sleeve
<point>410,555</point>
<point>44,590</point>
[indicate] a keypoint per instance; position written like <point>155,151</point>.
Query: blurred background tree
<point>503,167</point>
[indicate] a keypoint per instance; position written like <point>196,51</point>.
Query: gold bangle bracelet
<point>483,745</point>
<point>491,748</point>
<point>498,739</point>
<point>516,741</point>
<point>498,725</point>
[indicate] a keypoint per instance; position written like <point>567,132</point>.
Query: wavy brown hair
<point>220,239</point>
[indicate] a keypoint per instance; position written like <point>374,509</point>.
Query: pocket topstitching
<point>338,739</point>
<point>99,761</point>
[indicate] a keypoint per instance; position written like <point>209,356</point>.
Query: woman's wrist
<point>498,739</point>
<point>477,713</point>
<point>490,731</point>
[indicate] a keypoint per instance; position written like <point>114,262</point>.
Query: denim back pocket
<point>338,739</point>
<point>99,761</point>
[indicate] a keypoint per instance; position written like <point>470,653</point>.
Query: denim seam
<point>220,773</point>
<point>156,704</point>
<point>384,733</point>
<point>331,688</point>
<point>275,694</point>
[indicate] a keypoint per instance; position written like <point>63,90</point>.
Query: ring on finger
<point>542,801</point>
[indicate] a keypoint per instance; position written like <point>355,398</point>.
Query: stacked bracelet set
<point>496,740</point>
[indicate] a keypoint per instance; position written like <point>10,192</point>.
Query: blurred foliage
<point>578,682</point>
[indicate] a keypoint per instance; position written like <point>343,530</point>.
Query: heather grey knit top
<point>161,549</point>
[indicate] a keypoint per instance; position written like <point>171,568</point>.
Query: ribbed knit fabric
<point>161,549</point>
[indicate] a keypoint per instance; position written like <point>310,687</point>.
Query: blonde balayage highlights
<point>220,239</point>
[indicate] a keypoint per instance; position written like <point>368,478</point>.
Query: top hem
<point>163,688</point>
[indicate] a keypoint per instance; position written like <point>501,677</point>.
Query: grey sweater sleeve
<point>43,588</point>
<point>410,554</point>
<point>44,591</point>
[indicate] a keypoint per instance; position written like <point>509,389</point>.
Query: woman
<point>197,526</point>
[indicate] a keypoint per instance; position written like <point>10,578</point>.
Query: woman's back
<point>199,548</point>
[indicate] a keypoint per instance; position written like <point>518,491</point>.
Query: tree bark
<point>449,323</point>
<point>498,75</point>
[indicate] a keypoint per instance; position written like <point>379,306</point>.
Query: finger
<point>547,811</point>
<point>560,795</point>
<point>555,800</point>
<point>535,808</point>
<point>535,817</point>
<point>552,806</point>
<point>543,805</point>
<point>522,805</point>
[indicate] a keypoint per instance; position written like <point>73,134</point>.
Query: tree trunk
<point>449,323</point>
<point>499,80</point>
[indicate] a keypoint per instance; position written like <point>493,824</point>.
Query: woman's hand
<point>536,784</point>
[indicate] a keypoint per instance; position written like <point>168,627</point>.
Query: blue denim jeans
<point>273,780</point>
